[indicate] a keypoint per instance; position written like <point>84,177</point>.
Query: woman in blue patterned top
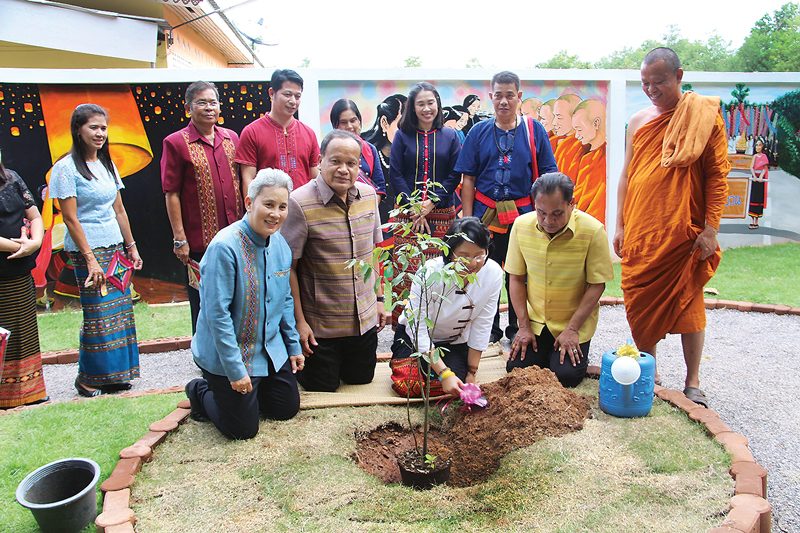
<point>246,342</point>
<point>87,185</point>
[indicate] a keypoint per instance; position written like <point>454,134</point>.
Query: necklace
<point>505,155</point>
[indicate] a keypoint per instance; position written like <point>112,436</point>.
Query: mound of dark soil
<point>525,406</point>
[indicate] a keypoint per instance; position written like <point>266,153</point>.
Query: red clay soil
<point>524,407</point>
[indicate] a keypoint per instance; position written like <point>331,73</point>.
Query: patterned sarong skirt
<point>21,379</point>
<point>108,352</point>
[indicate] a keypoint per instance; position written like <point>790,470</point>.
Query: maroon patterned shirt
<point>206,179</point>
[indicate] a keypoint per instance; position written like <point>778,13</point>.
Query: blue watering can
<point>632,400</point>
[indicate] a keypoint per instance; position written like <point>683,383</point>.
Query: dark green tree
<point>740,94</point>
<point>564,59</point>
<point>787,107</point>
<point>714,55</point>
<point>774,42</point>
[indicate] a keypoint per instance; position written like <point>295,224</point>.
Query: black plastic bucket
<point>61,495</point>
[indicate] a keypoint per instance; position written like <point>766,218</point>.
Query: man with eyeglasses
<point>499,160</point>
<point>200,180</point>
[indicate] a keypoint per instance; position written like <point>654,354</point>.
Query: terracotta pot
<point>416,474</point>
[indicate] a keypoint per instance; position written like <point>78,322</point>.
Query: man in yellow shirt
<point>558,261</point>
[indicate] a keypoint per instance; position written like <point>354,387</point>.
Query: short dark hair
<point>339,107</point>
<point>466,229</point>
<point>408,122</point>
<point>506,76</point>
<point>198,87</point>
<point>551,182</point>
<point>665,54</point>
<point>336,134</point>
<point>282,75</point>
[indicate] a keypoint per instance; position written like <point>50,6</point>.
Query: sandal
<point>696,395</point>
<point>86,393</point>
<point>753,226</point>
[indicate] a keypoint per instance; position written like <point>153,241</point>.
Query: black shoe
<point>86,393</point>
<point>198,413</point>
<point>495,337</point>
<point>116,387</point>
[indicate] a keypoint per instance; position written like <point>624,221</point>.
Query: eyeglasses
<point>206,103</point>
<point>471,259</point>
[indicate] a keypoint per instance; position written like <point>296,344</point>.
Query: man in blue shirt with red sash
<point>500,160</point>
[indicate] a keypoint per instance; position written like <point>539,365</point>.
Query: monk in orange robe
<point>546,118</point>
<point>672,192</point>
<point>569,150</point>
<point>589,123</point>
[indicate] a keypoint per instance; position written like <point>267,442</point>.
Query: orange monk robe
<point>666,208</point>
<point>568,155</point>
<point>590,184</point>
<point>554,139</point>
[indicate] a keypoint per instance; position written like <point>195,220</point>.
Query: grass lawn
<point>96,429</point>
<point>759,274</point>
<point>59,330</point>
<point>659,473</point>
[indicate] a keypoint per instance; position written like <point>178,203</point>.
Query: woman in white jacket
<point>461,318</point>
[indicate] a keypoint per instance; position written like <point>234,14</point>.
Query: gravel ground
<point>753,390</point>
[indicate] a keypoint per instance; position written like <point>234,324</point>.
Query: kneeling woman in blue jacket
<point>246,342</point>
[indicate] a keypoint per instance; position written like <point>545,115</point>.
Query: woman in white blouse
<point>463,323</point>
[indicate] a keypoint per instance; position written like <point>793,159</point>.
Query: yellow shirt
<point>558,269</point>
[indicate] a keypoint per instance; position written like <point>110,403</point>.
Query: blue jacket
<point>247,310</point>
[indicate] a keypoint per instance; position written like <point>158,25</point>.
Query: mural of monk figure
<point>589,123</point>
<point>546,118</point>
<point>530,107</point>
<point>569,150</point>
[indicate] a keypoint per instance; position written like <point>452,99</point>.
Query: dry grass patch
<point>660,473</point>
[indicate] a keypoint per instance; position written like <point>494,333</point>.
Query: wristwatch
<point>179,244</point>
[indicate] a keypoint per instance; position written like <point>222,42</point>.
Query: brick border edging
<point>749,512</point>
<point>117,515</point>
<point>170,344</point>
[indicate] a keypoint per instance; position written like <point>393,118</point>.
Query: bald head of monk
<point>546,115</point>
<point>562,113</point>
<point>530,107</point>
<point>661,77</point>
<point>589,123</point>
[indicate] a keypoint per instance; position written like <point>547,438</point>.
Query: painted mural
<point>34,134</point>
<point>572,113</point>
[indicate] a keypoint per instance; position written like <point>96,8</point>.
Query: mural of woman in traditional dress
<point>472,103</point>
<point>758,183</point>
<point>381,134</point>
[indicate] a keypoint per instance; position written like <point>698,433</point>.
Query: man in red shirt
<point>200,180</point>
<point>278,140</point>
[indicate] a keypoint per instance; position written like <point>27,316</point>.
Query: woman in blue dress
<point>87,185</point>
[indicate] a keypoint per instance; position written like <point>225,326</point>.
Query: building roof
<point>216,28</point>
